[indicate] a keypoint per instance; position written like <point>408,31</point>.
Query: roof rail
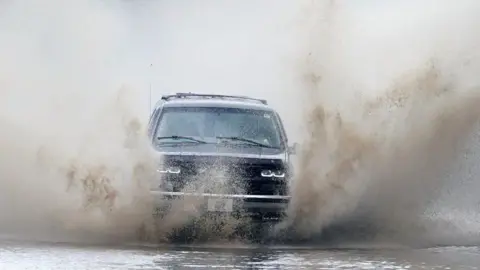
<point>188,95</point>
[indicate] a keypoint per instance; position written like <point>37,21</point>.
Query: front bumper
<point>264,206</point>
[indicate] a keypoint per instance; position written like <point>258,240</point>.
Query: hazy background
<point>378,92</point>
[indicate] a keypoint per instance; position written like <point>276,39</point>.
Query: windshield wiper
<point>175,137</point>
<point>246,140</point>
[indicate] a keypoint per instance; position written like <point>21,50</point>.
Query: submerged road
<point>31,255</point>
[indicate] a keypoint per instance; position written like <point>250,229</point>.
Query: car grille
<point>242,173</point>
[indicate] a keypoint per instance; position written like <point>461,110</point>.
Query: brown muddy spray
<point>391,100</point>
<point>387,92</point>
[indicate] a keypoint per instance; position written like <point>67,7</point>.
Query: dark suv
<point>229,153</point>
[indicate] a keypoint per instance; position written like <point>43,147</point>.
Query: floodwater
<point>28,255</point>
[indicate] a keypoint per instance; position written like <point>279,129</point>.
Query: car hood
<point>237,150</point>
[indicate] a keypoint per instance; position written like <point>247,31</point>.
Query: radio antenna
<point>150,93</point>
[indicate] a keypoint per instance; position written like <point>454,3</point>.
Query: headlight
<point>270,173</point>
<point>174,170</point>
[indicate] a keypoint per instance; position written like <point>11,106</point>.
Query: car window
<point>209,123</point>
<point>181,124</point>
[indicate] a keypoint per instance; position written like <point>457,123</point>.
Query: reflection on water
<point>14,255</point>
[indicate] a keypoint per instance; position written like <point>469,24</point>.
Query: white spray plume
<point>72,141</point>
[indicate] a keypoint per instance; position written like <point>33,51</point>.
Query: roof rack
<point>189,95</point>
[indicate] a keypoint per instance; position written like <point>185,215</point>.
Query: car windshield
<point>209,124</point>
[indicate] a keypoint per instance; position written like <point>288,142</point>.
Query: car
<point>221,155</point>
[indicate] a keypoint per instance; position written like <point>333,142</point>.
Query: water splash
<point>383,128</point>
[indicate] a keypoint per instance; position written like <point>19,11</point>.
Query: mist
<point>382,97</point>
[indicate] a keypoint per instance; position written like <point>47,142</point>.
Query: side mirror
<point>293,149</point>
